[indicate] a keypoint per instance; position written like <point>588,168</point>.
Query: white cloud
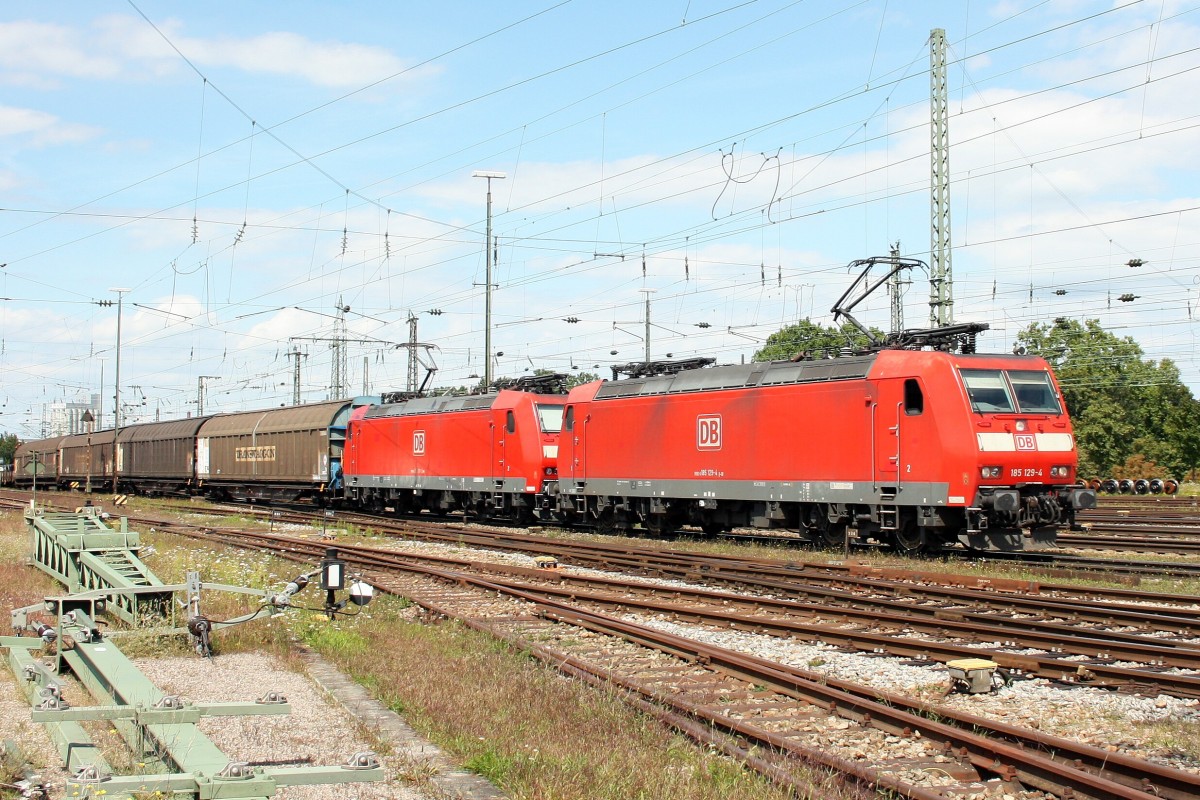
<point>33,53</point>
<point>41,128</point>
<point>334,64</point>
<point>122,47</point>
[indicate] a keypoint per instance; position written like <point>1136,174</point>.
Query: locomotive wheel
<point>606,522</point>
<point>910,538</point>
<point>823,532</point>
<point>833,534</point>
<point>659,526</point>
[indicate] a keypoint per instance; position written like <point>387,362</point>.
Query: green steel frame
<point>84,554</point>
<point>160,730</point>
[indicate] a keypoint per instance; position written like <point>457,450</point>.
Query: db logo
<point>418,443</point>
<point>708,432</point>
<point>1024,441</point>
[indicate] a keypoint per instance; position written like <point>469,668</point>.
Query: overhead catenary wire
<point>535,242</point>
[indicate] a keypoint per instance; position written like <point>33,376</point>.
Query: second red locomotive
<point>491,456</point>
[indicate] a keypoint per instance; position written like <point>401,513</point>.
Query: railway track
<point>750,706</point>
<point>1052,563</point>
<point>932,751</point>
<point>1139,526</point>
<point>1103,638</point>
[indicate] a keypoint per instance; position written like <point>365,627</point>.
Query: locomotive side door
<point>896,433</point>
<point>506,433</point>
<point>501,425</point>
<point>886,417</point>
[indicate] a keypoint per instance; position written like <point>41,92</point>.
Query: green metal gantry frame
<point>159,730</point>
<point>84,554</point>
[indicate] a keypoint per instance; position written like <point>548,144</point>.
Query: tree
<point>815,340</point>
<point>1122,404</point>
<point>8,447</point>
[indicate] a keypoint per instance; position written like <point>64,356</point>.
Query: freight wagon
<point>36,463</point>
<point>154,458</point>
<point>286,453</point>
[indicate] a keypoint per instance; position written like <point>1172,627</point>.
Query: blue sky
<point>242,167</point>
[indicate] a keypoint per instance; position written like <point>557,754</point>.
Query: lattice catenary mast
<point>941,276</point>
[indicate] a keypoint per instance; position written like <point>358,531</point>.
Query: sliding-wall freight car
<point>286,453</point>
<point>36,463</point>
<point>152,458</point>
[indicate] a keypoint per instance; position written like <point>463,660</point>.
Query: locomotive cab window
<point>914,398</point>
<point>569,419</point>
<point>510,422</point>
<point>550,417</point>
<point>988,391</point>
<point>1035,394</point>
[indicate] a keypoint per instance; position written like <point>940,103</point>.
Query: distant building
<point>65,418</point>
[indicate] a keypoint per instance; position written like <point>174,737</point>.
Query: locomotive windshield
<point>1034,393</point>
<point>551,418</point>
<point>996,391</point>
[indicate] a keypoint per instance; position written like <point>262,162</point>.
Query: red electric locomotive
<point>918,449</point>
<point>488,455</point>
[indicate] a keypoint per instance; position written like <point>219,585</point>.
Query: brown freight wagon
<point>153,458</point>
<point>84,465</point>
<point>159,458</point>
<point>36,462</point>
<point>287,453</point>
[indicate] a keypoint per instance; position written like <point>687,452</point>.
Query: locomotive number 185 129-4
<point>1027,472</point>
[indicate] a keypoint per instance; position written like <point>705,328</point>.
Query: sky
<point>266,178</point>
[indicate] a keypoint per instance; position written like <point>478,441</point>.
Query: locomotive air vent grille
<point>620,389</point>
<point>740,376</point>
<point>789,374</point>
<point>431,405</point>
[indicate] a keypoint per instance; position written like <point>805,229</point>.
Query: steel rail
<point>1047,762</point>
<point>799,577</point>
<point>1061,639</point>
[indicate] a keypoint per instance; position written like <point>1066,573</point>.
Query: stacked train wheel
<point>1167,486</point>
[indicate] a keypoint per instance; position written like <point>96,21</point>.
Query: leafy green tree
<point>1092,364</point>
<point>1103,435</point>
<point>8,447</point>
<point>815,340</point>
<point>1123,405</point>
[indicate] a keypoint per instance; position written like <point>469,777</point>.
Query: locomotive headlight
<point>1060,472</point>
<point>990,472</point>
<point>1021,425</point>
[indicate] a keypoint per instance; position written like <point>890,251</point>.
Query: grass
<point>1176,737</point>
<point>532,732</point>
<point>495,710</point>
<point>536,734</point>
